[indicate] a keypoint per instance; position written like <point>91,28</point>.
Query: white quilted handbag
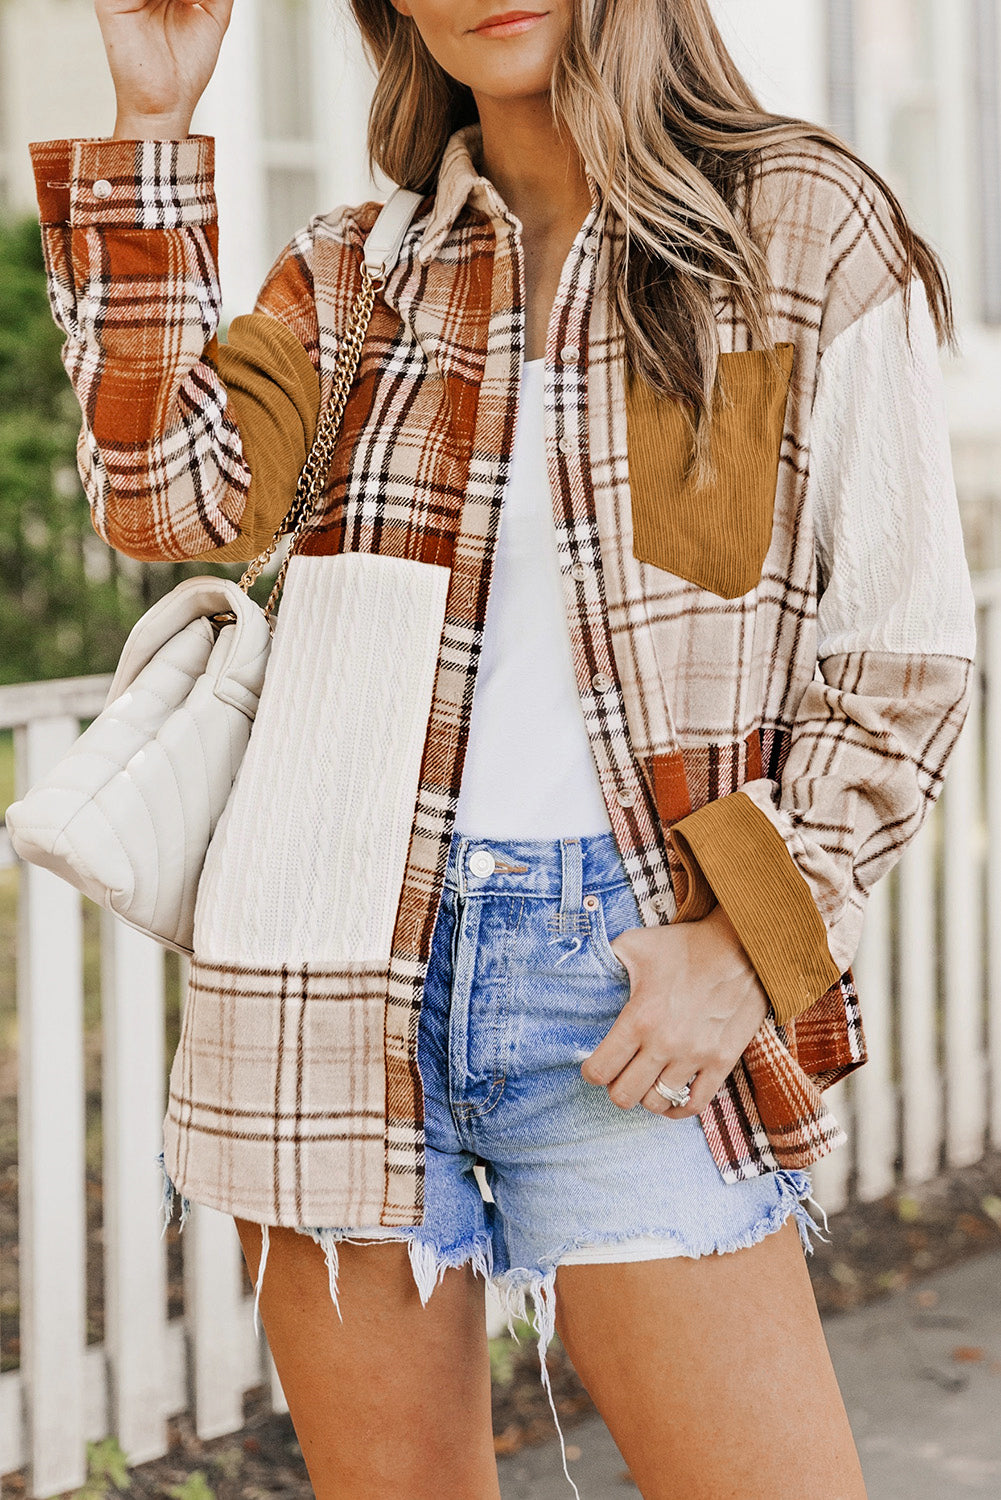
<point>127,815</point>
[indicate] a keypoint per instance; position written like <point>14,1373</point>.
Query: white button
<point>624,797</point>
<point>660,903</point>
<point>569,354</point>
<point>566,446</point>
<point>482,862</point>
<point>579,572</point>
<point>590,903</point>
<point>601,682</point>
<point>592,244</point>
<point>102,188</point>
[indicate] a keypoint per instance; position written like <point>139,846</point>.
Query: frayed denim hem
<point>517,1286</point>
<point>427,1262</point>
<point>167,1201</point>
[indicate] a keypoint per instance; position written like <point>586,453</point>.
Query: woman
<point>591,927</point>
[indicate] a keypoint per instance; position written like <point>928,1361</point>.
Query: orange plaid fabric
<point>295,1096</point>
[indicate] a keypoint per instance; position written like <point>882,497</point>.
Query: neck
<point>541,179</point>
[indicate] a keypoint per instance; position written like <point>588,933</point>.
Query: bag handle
<point>382,247</point>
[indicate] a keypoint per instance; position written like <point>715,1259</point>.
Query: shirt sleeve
<point>189,448</point>
<point>792,861</point>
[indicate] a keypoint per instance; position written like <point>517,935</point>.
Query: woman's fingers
<point>703,1091</point>
<point>612,1053</point>
<point>637,1079</point>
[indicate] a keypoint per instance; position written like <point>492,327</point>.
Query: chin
<point>513,83</point>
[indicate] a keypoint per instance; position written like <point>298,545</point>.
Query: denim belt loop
<point>572,889</point>
<point>460,867</point>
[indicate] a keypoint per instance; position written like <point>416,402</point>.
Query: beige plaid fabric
<point>739,763</point>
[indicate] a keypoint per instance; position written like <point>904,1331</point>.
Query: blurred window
<point>289,116</point>
<point>987,134</point>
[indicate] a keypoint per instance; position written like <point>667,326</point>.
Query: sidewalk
<point>921,1377</point>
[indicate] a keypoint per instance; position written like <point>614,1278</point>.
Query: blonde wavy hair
<point>671,132</point>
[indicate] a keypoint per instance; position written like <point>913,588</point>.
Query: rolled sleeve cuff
<point>126,184</point>
<point>731,849</point>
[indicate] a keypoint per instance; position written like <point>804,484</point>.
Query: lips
<point>508,22</point>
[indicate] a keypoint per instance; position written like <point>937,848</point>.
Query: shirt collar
<point>460,182</point>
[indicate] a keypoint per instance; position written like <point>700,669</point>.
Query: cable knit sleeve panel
<point>896,639</point>
<point>892,568</point>
<point>188,448</point>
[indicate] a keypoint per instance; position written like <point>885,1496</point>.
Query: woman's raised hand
<point>162,54</point>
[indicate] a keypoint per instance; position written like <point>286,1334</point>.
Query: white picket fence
<point>929,973</point>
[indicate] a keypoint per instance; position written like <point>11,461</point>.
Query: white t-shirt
<point>529,771</point>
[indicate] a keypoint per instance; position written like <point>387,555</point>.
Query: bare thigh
<point>713,1374</point>
<point>396,1399</point>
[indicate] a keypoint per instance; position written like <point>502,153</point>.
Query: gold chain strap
<point>310,487</point>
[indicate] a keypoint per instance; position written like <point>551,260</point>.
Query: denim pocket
<point>598,934</point>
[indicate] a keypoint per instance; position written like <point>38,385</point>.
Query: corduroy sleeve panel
<point>733,848</point>
<point>274,392</point>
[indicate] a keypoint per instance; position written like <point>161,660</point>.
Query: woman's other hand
<point>694,1004</point>
<point>162,54</point>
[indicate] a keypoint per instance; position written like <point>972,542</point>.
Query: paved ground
<point>921,1377</point>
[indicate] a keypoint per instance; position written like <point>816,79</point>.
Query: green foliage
<point>67,600</point>
<point>195,1487</point>
<point>106,1464</point>
<point>908,1208</point>
<point>503,1351</point>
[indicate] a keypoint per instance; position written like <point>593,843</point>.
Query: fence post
<point>135,1282</point>
<point>965,1062</point>
<point>832,1173</point>
<point>991,647</point>
<point>921,1084</point>
<point>51,1147</point>
<point>874,1090</point>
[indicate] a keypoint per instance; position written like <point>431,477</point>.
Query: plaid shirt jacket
<point>772,672</point>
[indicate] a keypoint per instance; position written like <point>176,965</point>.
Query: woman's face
<point>499,49</point>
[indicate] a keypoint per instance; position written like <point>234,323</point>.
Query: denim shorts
<point>527,1166</point>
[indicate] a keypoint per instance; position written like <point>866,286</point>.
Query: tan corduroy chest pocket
<point>718,536</point>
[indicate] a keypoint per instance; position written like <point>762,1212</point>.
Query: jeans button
<point>482,862</point>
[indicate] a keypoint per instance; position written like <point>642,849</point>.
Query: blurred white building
<point>914,85</point>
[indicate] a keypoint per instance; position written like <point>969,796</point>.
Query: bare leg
<point>394,1401</point>
<point>713,1374</point>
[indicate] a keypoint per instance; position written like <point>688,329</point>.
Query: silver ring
<point>679,1097</point>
